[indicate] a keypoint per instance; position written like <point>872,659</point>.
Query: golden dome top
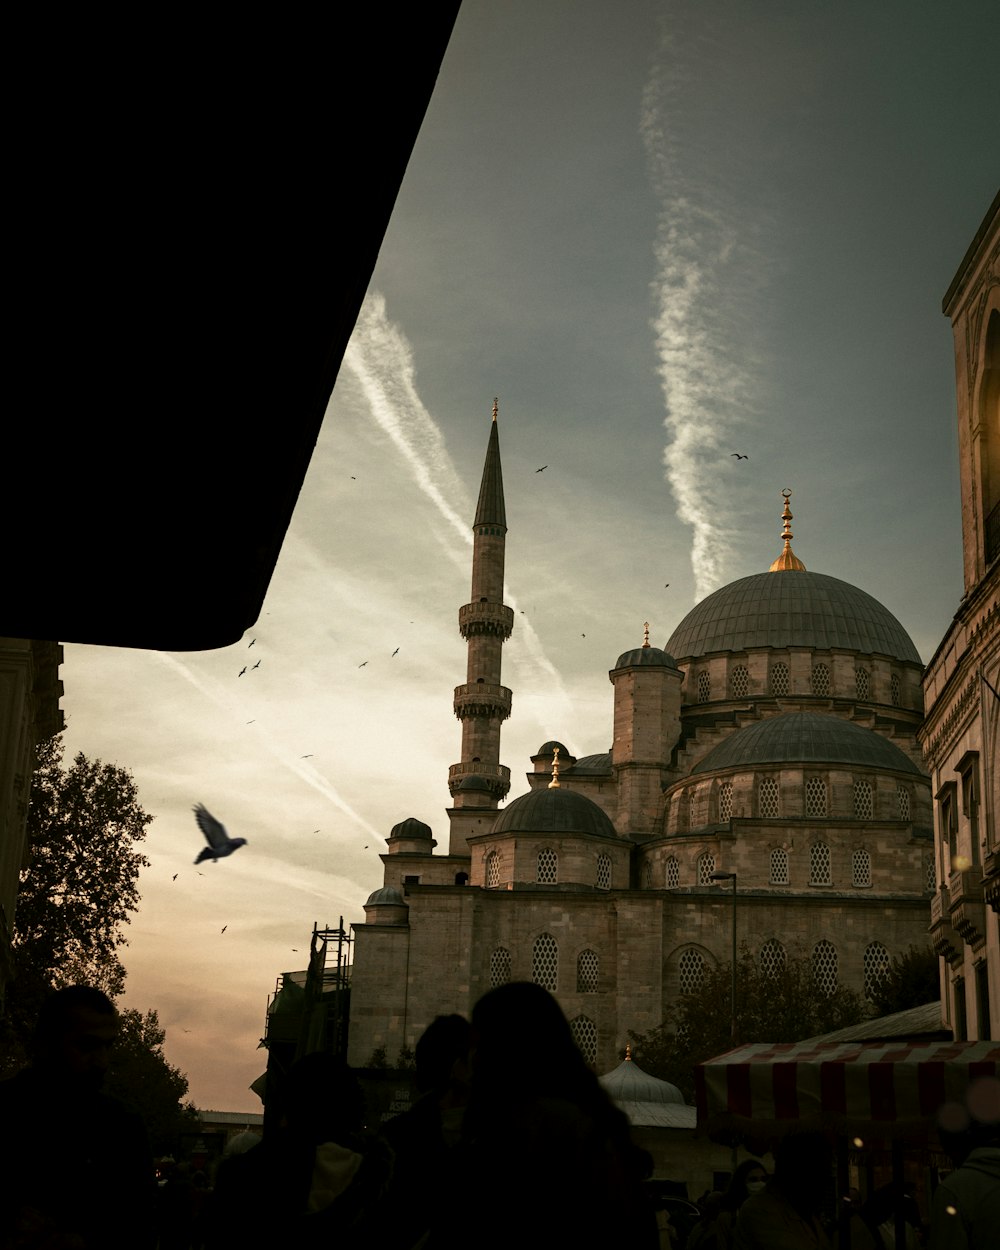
<point>788,559</point>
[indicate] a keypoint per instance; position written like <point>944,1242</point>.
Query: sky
<point>659,233</point>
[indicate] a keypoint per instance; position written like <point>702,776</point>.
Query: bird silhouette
<point>396,652</point>
<point>257,665</point>
<point>224,928</point>
<point>174,878</point>
<point>305,757</point>
<point>542,469</point>
<point>738,456</point>
<point>353,478</point>
<point>220,844</point>
<point>250,644</point>
<point>242,671</point>
<point>362,664</point>
<point>665,585</point>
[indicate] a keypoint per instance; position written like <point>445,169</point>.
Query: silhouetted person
<point>965,1212</point>
<point>76,1172</point>
<point>424,1138</point>
<point>317,1180</point>
<point>749,1178</point>
<point>785,1214</point>
<point>546,1157</point>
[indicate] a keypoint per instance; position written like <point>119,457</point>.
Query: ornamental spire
<point>788,560</point>
<point>645,633</point>
<point>554,783</point>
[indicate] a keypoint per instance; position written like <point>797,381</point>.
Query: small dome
<point>387,896</point>
<point>806,738</point>
<point>628,1083</point>
<point>411,828</point>
<point>645,657</point>
<point>549,748</point>
<point>791,609</point>
<point>554,809</point>
<point>599,765</point>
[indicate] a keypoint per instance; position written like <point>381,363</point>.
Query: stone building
<point>961,735</point>
<point>773,736</point>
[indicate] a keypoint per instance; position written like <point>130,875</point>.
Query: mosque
<point>764,770</point>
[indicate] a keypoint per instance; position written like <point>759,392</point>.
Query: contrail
<point>702,307</point>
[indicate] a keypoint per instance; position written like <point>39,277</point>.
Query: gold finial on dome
<point>628,1052</point>
<point>496,407</point>
<point>788,559</point>
<point>554,783</point>
<point>645,633</point>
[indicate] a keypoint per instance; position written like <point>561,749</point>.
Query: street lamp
<point>730,876</point>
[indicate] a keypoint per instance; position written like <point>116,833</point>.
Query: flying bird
<point>257,665</point>
<point>220,844</point>
<point>175,876</point>
<point>305,757</point>
<point>251,642</point>
<point>362,664</point>
<point>738,456</point>
<point>665,585</point>
<point>224,928</point>
<point>542,469</point>
<point>396,652</point>
<point>242,671</point>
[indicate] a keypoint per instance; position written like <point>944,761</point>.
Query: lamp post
<point>730,876</point>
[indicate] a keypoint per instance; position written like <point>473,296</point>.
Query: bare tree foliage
<point>776,1005</point>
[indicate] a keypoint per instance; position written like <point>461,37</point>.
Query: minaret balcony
<point>491,619</point>
<point>479,698</point>
<point>496,776</point>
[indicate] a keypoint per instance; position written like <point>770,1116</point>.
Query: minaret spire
<point>482,704</point>
<point>788,560</point>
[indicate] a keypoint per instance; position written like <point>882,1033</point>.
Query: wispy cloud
<point>702,305</point>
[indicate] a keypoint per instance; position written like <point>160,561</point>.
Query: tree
<point>141,1076</point>
<point>779,1004</point>
<point>78,890</point>
<point>912,980</point>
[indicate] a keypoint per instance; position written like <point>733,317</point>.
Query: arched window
<point>584,1032</point>
<point>861,868</point>
<point>894,689</point>
<point>930,875</point>
<point>863,802</point>
<point>587,969</point>
<point>545,962</point>
<point>604,872</point>
<point>726,801</point>
<point>546,867</point>
<point>767,798</point>
<point>815,797</point>
<point>903,798</point>
<point>778,680</point>
<point>819,864</point>
<point>673,872</point>
<point>824,962</point>
<point>739,682</point>
<point>779,866</point>
<point>820,680</point>
<point>771,958</point>
<point>691,967</point>
<point>876,965</point>
<point>863,683</point>
<point>706,866</point>
<point>499,967</point>
<point>492,870</point>
<point>704,687</point>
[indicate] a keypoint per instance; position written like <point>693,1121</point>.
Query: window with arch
<point>726,801</point>
<point>930,876</point>
<point>499,967</point>
<point>903,800</point>
<point>739,682</point>
<point>706,866</point>
<point>824,963</point>
<point>704,687</point>
<point>819,864</point>
<point>604,872</point>
<point>767,798</point>
<point>864,803</point>
<point>820,682</point>
<point>673,872</point>
<point>492,870</point>
<point>778,680</point>
<point>584,1032</point>
<point>587,969</point>
<point>895,691</point>
<point>862,683</point>
<point>546,868</point>
<point>779,866</point>
<point>861,868</point>
<point>545,962</point>
<point>876,967</point>
<point>815,797</point>
<point>771,958</point>
<point>691,969</point>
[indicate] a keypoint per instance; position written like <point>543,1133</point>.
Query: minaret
<point>482,704</point>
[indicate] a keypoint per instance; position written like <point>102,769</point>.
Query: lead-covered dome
<point>806,738</point>
<point>791,609</point>
<point>554,810</point>
<point>645,657</point>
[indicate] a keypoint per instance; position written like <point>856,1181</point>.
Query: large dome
<point>554,810</point>
<point>790,609</point>
<point>806,738</point>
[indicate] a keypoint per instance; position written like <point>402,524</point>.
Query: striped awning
<point>892,1089</point>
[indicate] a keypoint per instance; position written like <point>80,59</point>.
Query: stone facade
<point>774,737</point>
<point>961,734</point>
